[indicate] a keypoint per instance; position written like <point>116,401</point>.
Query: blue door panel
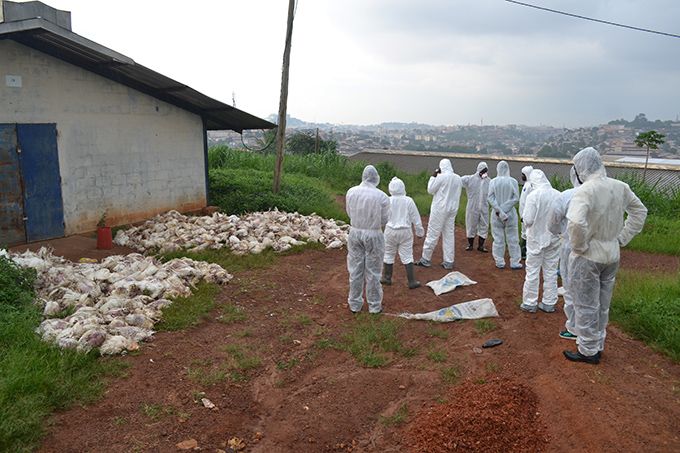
<point>39,160</point>
<point>11,203</point>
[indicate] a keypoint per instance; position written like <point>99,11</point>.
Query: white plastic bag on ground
<point>449,282</point>
<point>474,309</point>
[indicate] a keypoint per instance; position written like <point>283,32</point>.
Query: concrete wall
<point>661,176</point>
<point>119,149</point>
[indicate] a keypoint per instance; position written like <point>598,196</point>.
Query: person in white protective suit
<point>445,186</point>
<point>503,196</point>
<point>524,193</point>
<point>404,216</point>
<point>543,246</point>
<point>558,225</point>
<point>477,210</point>
<point>368,209</point>
<point>596,227</point>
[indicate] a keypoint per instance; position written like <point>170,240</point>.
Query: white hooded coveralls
<point>596,230</point>
<point>526,190</point>
<point>558,225</point>
<point>477,210</point>
<point>368,208</point>
<point>399,231</point>
<point>445,188</point>
<point>543,246</point>
<point>503,196</point>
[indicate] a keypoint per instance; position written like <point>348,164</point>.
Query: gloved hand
<point>420,232</point>
<point>503,216</point>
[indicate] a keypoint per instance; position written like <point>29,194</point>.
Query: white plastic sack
<point>474,309</point>
<point>449,282</point>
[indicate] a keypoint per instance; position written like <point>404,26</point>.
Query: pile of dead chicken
<point>114,304</point>
<point>250,233</point>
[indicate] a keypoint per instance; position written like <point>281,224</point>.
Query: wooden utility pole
<point>283,102</point>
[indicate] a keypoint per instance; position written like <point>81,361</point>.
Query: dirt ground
<point>306,398</point>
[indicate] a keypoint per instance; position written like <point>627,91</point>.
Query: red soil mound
<point>498,416</point>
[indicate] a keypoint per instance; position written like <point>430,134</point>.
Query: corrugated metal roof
<point>65,45</point>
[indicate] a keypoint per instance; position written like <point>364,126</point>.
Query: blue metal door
<point>39,162</point>
<point>11,202</point>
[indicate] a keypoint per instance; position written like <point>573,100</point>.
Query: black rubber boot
<point>481,245</point>
<point>410,274</point>
<point>386,278</point>
<point>471,244</point>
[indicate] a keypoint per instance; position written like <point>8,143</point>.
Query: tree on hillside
<point>306,143</point>
<point>640,120</point>
<point>552,151</point>
<point>650,140</point>
<point>266,142</point>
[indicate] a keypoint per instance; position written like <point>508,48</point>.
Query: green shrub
<point>661,203</point>
<point>16,284</point>
<point>237,191</point>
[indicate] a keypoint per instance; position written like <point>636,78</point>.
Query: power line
<point>594,20</point>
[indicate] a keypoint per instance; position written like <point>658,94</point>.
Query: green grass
<point>241,360</point>
<point>242,182</point>
<point>230,314</point>
<point>235,368</point>
<point>304,320</point>
<point>37,378</point>
<point>189,311</point>
<point>309,182</point>
<point>492,367</point>
<point>451,375</point>
<point>483,326</point>
<point>647,306</point>
<point>157,411</point>
<point>660,235</point>
<point>437,332</point>
<point>437,356</point>
<point>396,419</point>
<point>372,339</point>
<point>287,364</point>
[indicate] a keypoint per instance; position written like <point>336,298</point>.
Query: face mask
<point>484,176</point>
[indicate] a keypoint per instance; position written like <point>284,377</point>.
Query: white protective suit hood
<point>397,187</point>
<point>539,180</point>
<point>502,169</point>
<point>481,166</point>
<point>526,171</point>
<point>588,164</point>
<point>573,178</point>
<point>445,166</point>
<point>370,176</point>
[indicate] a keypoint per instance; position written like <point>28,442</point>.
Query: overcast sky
<point>430,61</point>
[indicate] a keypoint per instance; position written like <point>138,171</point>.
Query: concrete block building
<point>84,130</point>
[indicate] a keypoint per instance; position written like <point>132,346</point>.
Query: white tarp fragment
<point>449,282</point>
<point>474,309</point>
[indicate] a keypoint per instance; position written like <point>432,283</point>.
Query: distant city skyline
<point>292,118</point>
<point>441,62</point>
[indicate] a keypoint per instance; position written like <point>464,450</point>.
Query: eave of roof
<point>65,45</point>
